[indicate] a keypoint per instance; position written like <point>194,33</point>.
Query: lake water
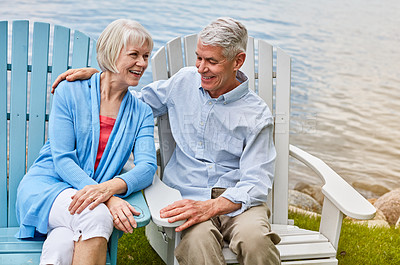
<point>346,71</point>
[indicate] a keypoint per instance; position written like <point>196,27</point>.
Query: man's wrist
<point>224,206</point>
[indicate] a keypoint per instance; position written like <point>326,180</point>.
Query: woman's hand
<point>122,213</point>
<point>91,195</point>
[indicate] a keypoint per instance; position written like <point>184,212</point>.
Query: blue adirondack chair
<point>23,129</point>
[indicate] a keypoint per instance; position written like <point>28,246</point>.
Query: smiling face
<point>131,63</point>
<point>218,74</point>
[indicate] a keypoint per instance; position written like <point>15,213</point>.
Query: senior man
<point>224,160</point>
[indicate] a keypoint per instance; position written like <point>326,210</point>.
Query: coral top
<point>106,126</point>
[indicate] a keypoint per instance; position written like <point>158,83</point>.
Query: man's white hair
<point>227,33</point>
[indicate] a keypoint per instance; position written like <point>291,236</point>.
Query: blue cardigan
<point>67,159</point>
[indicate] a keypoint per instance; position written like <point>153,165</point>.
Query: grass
<point>358,245</point>
<point>134,249</point>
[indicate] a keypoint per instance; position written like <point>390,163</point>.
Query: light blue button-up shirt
<point>224,142</point>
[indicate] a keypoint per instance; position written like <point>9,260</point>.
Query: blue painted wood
<point>137,200</point>
<point>19,62</point>
<point>20,259</point>
<point>93,60</point>
<point>3,123</point>
<point>9,244</point>
<point>80,56</point>
<point>38,90</point>
<point>60,53</point>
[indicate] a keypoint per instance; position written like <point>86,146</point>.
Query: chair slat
<point>31,258</point>
<point>175,57</point>
<point>265,72</point>
<point>38,90</point>
<point>19,61</point>
<point>282,114</point>
<point>80,56</point>
<point>249,64</point>
<point>322,261</point>
<point>159,65</point>
<point>93,60</point>
<point>60,53</point>
<point>3,122</point>
<point>306,251</point>
<point>300,239</point>
<point>190,44</point>
<point>160,72</point>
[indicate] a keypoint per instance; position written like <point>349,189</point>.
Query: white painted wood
<point>190,44</point>
<point>174,55</point>
<point>331,261</point>
<point>156,241</point>
<point>282,114</point>
<point>306,251</point>
<point>159,65</point>
<point>300,251</point>
<point>331,222</point>
<point>167,141</point>
<point>337,190</point>
<point>300,239</point>
<point>159,195</point>
<point>249,64</point>
<point>265,72</point>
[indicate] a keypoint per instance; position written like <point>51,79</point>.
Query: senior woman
<point>73,192</point>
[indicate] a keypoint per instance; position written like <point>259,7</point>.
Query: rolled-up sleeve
<point>256,172</point>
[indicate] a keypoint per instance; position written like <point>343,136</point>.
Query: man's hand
<point>195,212</point>
<point>72,75</point>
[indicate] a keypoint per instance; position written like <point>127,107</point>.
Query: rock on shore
<point>389,204</point>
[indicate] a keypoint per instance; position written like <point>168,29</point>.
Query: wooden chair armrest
<point>136,199</point>
<point>337,190</point>
<point>158,196</point>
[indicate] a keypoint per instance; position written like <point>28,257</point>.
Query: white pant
<point>65,229</point>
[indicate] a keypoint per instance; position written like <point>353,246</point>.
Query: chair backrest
<point>272,86</point>
<point>24,76</point>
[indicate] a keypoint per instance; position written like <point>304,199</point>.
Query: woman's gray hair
<point>117,35</point>
<point>227,33</point>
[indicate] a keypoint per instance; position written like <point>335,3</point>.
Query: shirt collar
<point>237,92</point>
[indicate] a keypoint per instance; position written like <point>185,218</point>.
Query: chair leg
<point>113,246</point>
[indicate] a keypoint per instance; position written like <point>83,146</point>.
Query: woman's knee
<point>94,223</point>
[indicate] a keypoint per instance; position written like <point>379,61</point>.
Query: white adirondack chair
<point>298,246</point>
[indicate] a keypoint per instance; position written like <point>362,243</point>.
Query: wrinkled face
<point>218,74</point>
<point>131,63</point>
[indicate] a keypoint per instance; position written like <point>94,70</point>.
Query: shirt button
<point>209,103</point>
<point>210,167</point>
<point>200,143</point>
<point>201,123</point>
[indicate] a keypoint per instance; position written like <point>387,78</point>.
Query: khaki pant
<point>249,236</point>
